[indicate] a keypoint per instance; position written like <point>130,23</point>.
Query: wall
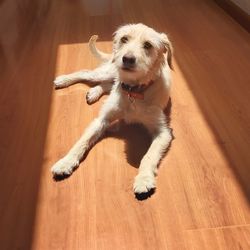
<point>243,4</point>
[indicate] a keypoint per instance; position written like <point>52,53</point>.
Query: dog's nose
<point>128,60</point>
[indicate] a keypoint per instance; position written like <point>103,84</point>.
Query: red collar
<point>136,91</point>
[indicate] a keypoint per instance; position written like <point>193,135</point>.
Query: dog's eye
<point>147,45</point>
<point>124,39</point>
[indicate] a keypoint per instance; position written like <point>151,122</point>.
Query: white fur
<point>151,65</point>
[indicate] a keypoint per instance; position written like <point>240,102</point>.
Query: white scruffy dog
<point>138,75</point>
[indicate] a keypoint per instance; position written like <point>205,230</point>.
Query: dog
<point>138,77</point>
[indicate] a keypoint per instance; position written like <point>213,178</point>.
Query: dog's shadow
<point>137,142</point>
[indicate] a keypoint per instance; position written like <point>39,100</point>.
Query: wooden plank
<point>228,238</point>
<point>202,199</point>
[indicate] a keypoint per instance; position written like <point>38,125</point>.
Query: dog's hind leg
<point>96,92</point>
<point>104,74</point>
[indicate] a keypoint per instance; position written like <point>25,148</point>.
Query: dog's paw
<point>94,94</point>
<point>64,167</point>
<point>144,183</point>
<point>62,81</point>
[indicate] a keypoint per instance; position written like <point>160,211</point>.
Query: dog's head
<point>138,50</point>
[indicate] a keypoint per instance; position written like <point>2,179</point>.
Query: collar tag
<point>131,98</point>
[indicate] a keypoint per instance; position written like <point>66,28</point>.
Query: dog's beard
<point>142,74</point>
<point>132,76</point>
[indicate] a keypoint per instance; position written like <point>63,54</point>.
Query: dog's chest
<point>135,111</point>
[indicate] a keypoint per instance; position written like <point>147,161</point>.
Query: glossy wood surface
<point>202,199</point>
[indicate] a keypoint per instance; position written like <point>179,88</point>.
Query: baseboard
<point>235,12</point>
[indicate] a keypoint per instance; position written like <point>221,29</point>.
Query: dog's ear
<point>168,48</point>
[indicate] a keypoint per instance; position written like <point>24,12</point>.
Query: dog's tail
<point>104,57</point>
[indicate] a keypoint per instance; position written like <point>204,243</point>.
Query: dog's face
<point>138,49</point>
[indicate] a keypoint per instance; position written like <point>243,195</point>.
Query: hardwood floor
<point>203,194</point>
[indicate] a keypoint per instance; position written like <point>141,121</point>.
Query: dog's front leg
<point>145,180</point>
<point>68,163</point>
<point>94,131</point>
<point>104,73</point>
